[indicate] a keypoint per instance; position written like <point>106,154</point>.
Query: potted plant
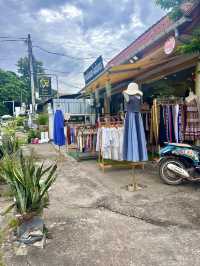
<point>29,183</point>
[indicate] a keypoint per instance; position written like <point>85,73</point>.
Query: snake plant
<point>28,182</point>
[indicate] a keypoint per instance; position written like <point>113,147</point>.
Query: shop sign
<point>44,87</point>
<point>94,70</point>
<point>170,45</point>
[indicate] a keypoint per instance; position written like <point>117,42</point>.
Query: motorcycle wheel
<point>168,176</point>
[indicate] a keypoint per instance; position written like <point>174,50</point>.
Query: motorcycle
<point>178,163</point>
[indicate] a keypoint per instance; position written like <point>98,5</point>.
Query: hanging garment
<point>162,128</point>
<point>171,125</point>
<point>115,144</point>
<point>121,141</point>
<point>134,146</point>
<point>109,142</point>
<point>59,136</point>
<point>192,130</point>
<point>175,111</point>
<point>106,143</point>
<point>154,133</point>
<point>180,124</point>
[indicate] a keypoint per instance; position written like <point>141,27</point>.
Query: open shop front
<point>75,127</point>
<point>170,108</point>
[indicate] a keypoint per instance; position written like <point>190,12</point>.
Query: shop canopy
<point>153,67</point>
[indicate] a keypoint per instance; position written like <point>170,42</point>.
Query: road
<point>94,220</point>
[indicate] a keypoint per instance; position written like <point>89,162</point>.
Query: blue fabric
<point>58,133</point>
<point>134,104</point>
<point>72,135</point>
<point>134,145</point>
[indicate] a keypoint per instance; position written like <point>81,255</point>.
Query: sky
<point>80,29</point>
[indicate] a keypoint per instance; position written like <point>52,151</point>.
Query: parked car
<point>5,119</point>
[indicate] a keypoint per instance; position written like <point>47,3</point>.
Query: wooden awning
<point>153,66</point>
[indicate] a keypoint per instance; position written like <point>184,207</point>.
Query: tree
<point>192,45</point>
<point>12,87</point>
<point>24,71</point>
<point>174,6</point>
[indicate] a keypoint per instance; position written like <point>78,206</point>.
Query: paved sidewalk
<point>95,221</point>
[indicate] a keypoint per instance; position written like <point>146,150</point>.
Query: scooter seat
<point>183,145</point>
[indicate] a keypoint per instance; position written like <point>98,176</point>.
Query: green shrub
<point>42,119</point>
<point>20,121</point>
<point>32,134</point>
<point>10,144</point>
<point>28,182</point>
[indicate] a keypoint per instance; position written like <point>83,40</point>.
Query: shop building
<point>153,62</point>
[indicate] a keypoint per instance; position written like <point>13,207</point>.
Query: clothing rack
<point>109,163</point>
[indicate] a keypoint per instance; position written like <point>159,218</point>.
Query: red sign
<point>170,45</point>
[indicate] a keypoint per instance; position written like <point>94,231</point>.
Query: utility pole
<point>30,57</point>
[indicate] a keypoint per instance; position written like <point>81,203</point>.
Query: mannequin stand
<point>135,186</point>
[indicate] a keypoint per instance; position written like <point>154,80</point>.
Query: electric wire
<point>62,54</point>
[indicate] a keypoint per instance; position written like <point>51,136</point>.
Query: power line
<point>10,40</point>
<point>62,54</point>
<point>9,37</point>
<point>62,72</point>
<point>71,85</point>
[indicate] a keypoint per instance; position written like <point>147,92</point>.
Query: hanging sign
<point>94,70</point>
<point>170,45</point>
<point>45,87</point>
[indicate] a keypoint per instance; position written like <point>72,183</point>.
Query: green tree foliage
<point>12,87</point>
<point>24,71</point>
<point>193,45</point>
<point>174,6</point>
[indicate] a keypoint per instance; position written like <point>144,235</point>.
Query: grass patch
<point>1,242</point>
<point>12,223</point>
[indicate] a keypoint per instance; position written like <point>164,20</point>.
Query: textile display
<point>59,136</point>
<point>110,142</point>
<point>192,125</point>
<point>86,139</point>
<point>134,143</point>
<point>175,122</point>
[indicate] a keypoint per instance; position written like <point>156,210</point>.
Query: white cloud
<point>50,16</point>
<point>63,13</point>
<point>71,11</point>
<point>83,29</point>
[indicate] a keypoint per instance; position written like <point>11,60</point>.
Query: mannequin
<point>191,97</point>
<point>134,148</point>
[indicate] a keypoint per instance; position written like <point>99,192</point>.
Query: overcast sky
<point>82,29</point>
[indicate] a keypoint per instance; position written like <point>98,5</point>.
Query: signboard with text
<point>45,87</point>
<point>94,70</point>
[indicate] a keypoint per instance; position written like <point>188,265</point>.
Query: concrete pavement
<point>95,221</point>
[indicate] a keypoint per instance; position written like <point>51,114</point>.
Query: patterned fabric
<point>192,130</point>
<point>154,132</point>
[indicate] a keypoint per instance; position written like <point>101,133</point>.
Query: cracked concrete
<point>93,220</point>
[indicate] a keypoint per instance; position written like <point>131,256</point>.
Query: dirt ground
<point>94,220</point>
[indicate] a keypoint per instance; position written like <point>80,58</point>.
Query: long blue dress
<point>134,145</point>
<point>58,132</point>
